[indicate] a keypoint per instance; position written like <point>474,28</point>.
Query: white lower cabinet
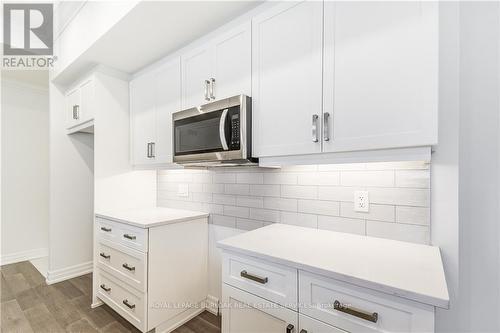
<point>262,296</point>
<point>154,277</point>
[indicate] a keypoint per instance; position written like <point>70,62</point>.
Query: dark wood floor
<point>28,304</point>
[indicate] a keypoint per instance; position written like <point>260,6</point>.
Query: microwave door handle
<point>222,132</point>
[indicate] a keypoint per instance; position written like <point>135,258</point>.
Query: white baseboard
<point>69,272</point>
<point>212,304</point>
<point>12,258</point>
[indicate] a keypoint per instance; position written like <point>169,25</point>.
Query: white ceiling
<point>153,29</point>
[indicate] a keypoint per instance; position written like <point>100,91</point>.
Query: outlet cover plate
<point>361,201</point>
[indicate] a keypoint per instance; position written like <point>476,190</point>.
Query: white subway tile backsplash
<point>250,178</point>
<point>376,212</point>
<point>280,204</point>
<point>236,211</point>
<point>367,178</point>
<point>398,231</point>
<point>342,224</point>
<point>224,199</point>
<point>316,196</point>
<point>413,178</point>
<point>319,178</point>
<point>413,215</point>
<point>265,215</point>
<point>237,189</point>
<point>246,201</point>
<point>265,190</point>
<point>299,192</point>
<point>319,207</point>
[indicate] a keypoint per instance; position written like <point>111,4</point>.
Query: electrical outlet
<point>183,190</point>
<point>361,201</point>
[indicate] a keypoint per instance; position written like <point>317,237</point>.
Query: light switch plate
<point>183,190</point>
<point>361,201</point>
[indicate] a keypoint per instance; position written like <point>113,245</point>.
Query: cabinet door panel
<point>380,81</point>
<point>247,313</point>
<point>233,65</point>
<point>196,68</point>
<point>310,325</point>
<point>142,111</point>
<point>287,78</point>
<point>168,100</point>
<point>72,99</point>
<point>87,101</point>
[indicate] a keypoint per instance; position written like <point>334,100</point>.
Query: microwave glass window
<point>198,136</point>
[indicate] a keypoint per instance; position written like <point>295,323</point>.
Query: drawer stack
<point>122,263</point>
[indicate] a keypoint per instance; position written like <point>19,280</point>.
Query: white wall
<point>25,171</point>
<point>71,195</point>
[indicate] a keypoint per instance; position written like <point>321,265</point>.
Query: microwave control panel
<point>235,132</point>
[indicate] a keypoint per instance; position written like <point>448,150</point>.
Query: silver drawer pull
<point>130,306</point>
<point>104,255</point>
<point>106,229</point>
<point>373,317</point>
<point>290,328</point>
<point>262,280</point>
<point>326,134</point>
<point>131,237</point>
<point>130,268</point>
<point>107,289</point>
<point>315,128</point>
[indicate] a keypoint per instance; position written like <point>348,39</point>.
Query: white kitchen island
<point>291,279</point>
<point>151,265</point>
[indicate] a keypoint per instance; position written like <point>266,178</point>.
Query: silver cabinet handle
<point>303,331</point>
<point>106,229</point>
<point>131,237</point>
<point>127,267</point>
<point>153,153</point>
<point>315,128</point>
<point>370,316</point>
<point>261,280</point>
<point>103,286</point>
<point>326,135</point>
<point>207,83</point>
<point>212,88</point>
<point>104,255</point>
<point>126,302</point>
<point>76,109</point>
<point>148,152</point>
<point>289,328</point>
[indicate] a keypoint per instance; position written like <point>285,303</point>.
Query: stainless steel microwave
<point>214,134</point>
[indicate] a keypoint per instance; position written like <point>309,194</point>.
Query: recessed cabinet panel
<point>168,101</point>
<point>244,313</point>
<point>196,74</point>
<point>287,79</point>
<point>87,101</point>
<point>232,72</point>
<point>380,81</point>
<point>143,117</point>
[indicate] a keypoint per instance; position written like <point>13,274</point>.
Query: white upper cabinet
<point>154,96</point>
<point>380,74</point>
<point>80,103</point>
<point>220,68</point>
<point>287,79</point>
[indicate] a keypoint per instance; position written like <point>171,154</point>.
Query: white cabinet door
<point>310,325</point>
<point>247,313</point>
<point>143,117</point>
<point>380,74</point>
<point>196,71</point>
<point>233,63</point>
<point>287,43</point>
<point>87,101</point>
<point>72,105</point>
<point>168,100</point>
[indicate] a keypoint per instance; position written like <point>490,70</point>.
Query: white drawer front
<point>123,263</point>
<point>318,295</point>
<point>310,325</point>
<point>129,303</point>
<point>271,281</point>
<point>133,237</point>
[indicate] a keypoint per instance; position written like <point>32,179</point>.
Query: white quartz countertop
<point>151,217</point>
<point>408,270</point>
